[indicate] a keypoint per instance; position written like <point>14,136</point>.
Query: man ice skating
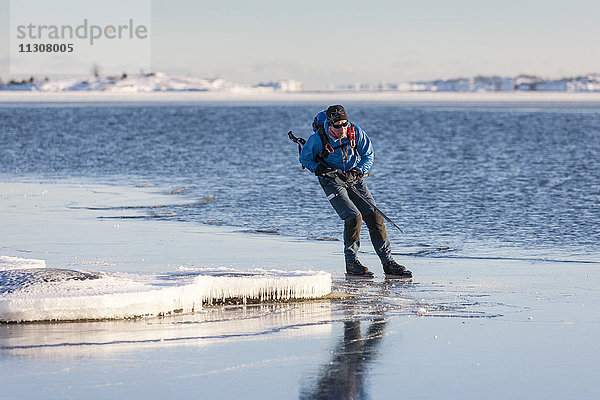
<point>339,147</point>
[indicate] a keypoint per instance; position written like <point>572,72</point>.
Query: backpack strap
<point>326,145</point>
<point>352,136</point>
<point>327,149</point>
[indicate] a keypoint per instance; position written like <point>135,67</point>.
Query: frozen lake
<point>462,327</point>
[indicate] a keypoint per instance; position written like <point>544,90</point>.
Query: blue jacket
<point>337,159</point>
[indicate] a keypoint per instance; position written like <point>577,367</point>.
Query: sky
<point>324,43</point>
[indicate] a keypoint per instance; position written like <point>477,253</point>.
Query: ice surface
<point>277,97</point>
<point>48,294</point>
<point>486,321</point>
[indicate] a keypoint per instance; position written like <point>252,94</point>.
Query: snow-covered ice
<point>8,263</point>
<point>42,294</point>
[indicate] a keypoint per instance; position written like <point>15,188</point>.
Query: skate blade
<point>359,277</point>
<point>401,277</point>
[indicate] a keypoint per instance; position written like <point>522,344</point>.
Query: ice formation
<point>47,294</point>
<point>7,263</point>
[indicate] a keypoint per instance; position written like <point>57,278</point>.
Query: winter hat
<point>336,113</point>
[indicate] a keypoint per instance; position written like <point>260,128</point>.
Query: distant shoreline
<point>491,98</point>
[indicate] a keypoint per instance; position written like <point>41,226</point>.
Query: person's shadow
<point>344,376</point>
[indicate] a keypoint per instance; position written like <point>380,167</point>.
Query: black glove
<point>353,175</point>
<point>323,170</point>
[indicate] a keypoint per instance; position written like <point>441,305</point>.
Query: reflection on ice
<point>344,376</point>
<point>365,316</point>
<point>212,324</point>
<point>401,297</point>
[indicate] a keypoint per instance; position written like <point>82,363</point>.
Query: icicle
<point>128,296</point>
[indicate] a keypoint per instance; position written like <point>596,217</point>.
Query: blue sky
<point>341,42</point>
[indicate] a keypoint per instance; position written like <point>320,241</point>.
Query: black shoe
<point>355,268</point>
<point>393,269</point>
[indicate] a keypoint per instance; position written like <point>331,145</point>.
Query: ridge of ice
<point>56,294</point>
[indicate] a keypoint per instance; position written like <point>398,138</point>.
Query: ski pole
<point>375,207</point>
<point>301,142</point>
<point>348,185</point>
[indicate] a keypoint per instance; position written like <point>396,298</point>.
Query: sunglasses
<point>340,125</point>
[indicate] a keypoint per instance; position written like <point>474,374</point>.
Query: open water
<point>516,181</point>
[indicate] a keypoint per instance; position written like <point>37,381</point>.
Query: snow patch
<point>9,263</point>
<point>155,82</point>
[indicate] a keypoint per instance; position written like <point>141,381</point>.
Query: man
<point>341,148</point>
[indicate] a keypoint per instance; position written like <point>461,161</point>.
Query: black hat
<point>336,113</point>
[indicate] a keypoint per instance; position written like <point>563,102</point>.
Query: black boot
<point>394,270</point>
<point>355,268</point>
